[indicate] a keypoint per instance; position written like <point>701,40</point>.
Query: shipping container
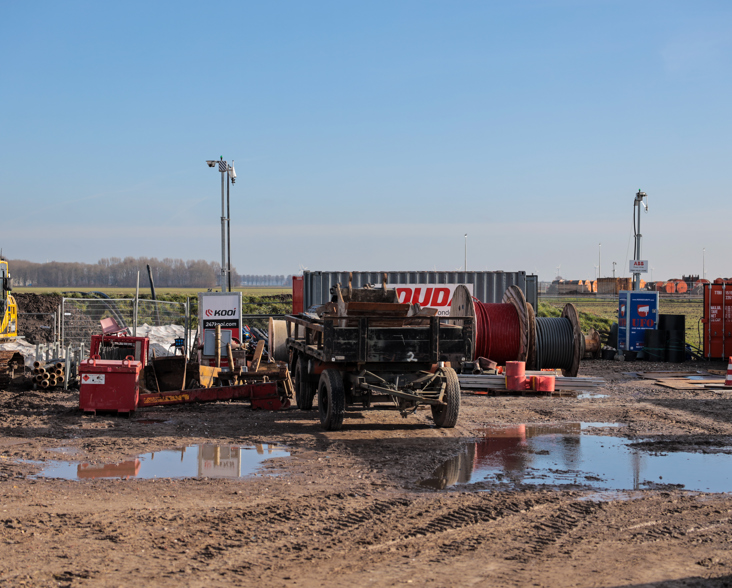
<point>426,288</point>
<point>717,321</point>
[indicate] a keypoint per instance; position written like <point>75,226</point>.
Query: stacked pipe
<point>48,374</point>
<point>510,331</point>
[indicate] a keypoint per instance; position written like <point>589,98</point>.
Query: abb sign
<point>437,296</point>
<point>639,266</point>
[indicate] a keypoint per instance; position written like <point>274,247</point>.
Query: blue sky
<point>369,136</point>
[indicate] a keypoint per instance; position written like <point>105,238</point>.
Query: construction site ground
<point>346,508</point>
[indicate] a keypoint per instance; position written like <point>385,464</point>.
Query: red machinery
<point>119,347</point>
<point>263,395</point>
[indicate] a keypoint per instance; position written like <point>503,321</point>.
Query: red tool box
<point>109,384</point>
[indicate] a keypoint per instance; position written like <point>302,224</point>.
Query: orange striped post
<point>728,379</point>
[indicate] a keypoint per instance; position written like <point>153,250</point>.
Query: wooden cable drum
<point>277,339</point>
<point>500,331</point>
<point>560,342</point>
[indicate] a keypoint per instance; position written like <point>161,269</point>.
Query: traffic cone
<point>728,379</point>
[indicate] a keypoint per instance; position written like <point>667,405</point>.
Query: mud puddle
<point>568,454</point>
<point>201,461</point>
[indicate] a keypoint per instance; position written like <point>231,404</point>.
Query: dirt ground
<point>346,508</point>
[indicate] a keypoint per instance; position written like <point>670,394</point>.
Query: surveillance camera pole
<point>639,197</point>
<point>222,169</point>
<point>228,231</point>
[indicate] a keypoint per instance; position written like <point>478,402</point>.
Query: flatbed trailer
<point>365,361</point>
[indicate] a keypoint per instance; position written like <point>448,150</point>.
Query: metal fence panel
<point>81,316</point>
<point>487,286</point>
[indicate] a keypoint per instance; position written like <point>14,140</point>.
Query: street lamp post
<point>614,264</point>
<point>227,173</point>
<point>466,252</point>
<point>704,263</point>
<point>599,261</point>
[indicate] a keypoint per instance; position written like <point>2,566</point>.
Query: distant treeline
<point>119,273</point>
<point>122,273</point>
<point>265,280</point>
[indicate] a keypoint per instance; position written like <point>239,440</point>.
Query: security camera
<point>211,162</point>
<point>232,172</point>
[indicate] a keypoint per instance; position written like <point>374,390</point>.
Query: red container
<point>717,320</point>
<point>109,384</point>
<point>516,368</point>
<point>543,383</point>
<point>298,300</point>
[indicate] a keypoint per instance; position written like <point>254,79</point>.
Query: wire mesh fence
<point>153,318</point>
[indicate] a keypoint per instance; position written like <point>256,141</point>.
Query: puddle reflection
<point>561,454</point>
<point>209,461</point>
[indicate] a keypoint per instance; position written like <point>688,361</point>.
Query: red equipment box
<point>109,384</point>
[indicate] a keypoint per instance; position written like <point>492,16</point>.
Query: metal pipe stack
<point>49,374</point>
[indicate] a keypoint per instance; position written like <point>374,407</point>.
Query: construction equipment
<point>9,360</point>
<point>8,306</point>
<point>365,348</point>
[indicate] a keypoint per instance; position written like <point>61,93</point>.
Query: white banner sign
<point>638,266</point>
<point>437,296</point>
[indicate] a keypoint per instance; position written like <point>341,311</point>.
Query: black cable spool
<point>675,346</point>
<point>554,348</point>
<point>654,345</point>
<point>559,342</point>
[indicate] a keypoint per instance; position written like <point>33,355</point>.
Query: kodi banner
<point>437,296</point>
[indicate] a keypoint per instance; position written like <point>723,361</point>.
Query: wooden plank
<point>377,309</point>
<point>254,366</point>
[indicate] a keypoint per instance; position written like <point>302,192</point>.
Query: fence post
<point>137,296</point>
<point>67,367</point>
<point>187,326</point>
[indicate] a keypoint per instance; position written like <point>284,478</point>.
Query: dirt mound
<point>38,328</point>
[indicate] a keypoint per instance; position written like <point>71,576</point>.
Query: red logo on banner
<point>643,310</point>
<point>209,312</point>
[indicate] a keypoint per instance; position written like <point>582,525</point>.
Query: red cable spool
<point>498,329</point>
<point>501,332</point>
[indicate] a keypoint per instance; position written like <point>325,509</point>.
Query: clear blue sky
<point>369,136</point>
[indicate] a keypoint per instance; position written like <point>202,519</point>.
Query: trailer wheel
<point>331,400</point>
<point>304,392</point>
<point>447,416</point>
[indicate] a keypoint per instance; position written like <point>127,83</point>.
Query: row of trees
<point>122,273</point>
<point>118,272</point>
<point>265,280</point>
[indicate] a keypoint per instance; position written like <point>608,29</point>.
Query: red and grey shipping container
<point>488,287</point>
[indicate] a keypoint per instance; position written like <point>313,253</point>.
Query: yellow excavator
<point>8,306</point>
<point>10,360</point>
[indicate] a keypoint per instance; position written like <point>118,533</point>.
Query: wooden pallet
<point>682,381</point>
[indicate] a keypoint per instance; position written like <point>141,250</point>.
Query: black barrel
<point>675,346</point>
<point>671,322</point>
<point>654,346</point>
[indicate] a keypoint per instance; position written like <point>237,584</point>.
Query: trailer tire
<point>446,416</point>
<point>304,392</point>
<point>331,400</point>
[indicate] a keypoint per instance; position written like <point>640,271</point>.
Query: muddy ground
<point>346,508</point>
